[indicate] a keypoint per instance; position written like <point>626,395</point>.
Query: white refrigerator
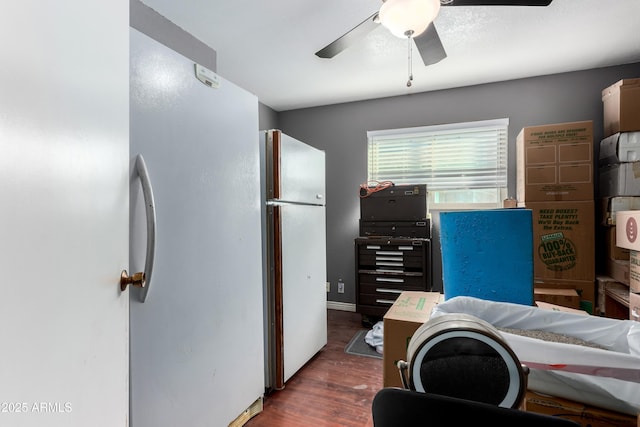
<point>197,347</point>
<point>295,261</point>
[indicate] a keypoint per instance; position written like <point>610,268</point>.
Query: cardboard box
<point>487,254</point>
<point>634,306</point>
<point>621,106</point>
<point>619,148</point>
<point>555,163</point>
<point>409,311</point>
<point>612,250</point>
<point>557,296</point>
<point>627,223</point>
<point>610,205</point>
<point>618,269</point>
<point>620,179</point>
<point>553,307</point>
<point>634,271</point>
<point>586,289</point>
<point>585,415</point>
<point>564,240</point>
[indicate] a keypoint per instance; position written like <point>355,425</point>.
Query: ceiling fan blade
<point>350,37</point>
<point>430,46</point>
<point>498,3</point>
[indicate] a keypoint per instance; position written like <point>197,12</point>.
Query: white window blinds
<point>462,164</point>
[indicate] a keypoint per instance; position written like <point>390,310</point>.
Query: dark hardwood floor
<point>332,389</point>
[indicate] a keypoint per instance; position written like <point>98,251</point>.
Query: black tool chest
<point>393,250</point>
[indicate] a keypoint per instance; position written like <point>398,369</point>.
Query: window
<point>463,164</point>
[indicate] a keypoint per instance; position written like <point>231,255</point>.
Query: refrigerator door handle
<point>150,208</point>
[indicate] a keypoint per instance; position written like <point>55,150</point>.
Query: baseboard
<point>253,410</point>
<point>343,306</point>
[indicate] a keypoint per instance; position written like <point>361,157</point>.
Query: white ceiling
<point>268,47</point>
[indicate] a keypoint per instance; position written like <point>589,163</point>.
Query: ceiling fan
<point>413,19</point>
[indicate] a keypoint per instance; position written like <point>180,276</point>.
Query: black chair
<point>396,407</point>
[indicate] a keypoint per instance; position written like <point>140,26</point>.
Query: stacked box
<point>619,148</point>
<point>619,270</point>
<point>634,285</point>
<point>619,165</point>
<point>619,184</point>
<point>409,311</point>
<point>620,179</point>
<point>555,162</point>
<point>611,205</point>
<point>583,414</point>
<point>555,180</point>
<point>621,106</point>
<point>627,231</point>
<point>554,307</point>
<point>616,257</point>
<point>562,297</point>
<point>564,247</point>
<point>627,223</point>
<point>586,289</point>
<point>613,251</point>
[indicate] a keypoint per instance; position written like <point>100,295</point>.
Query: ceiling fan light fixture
<point>408,18</point>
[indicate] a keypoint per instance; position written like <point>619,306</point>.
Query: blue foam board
<point>488,254</point>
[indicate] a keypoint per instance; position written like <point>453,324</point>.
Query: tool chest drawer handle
<point>389,258</point>
<point>394,253</point>
<point>389,291</point>
<point>390,264</point>
<point>390,280</point>
<point>385,301</point>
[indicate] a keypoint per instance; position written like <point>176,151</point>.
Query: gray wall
<point>149,22</point>
<point>341,129</point>
<point>268,118</point>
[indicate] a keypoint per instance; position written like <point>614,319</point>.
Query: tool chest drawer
<point>407,229</point>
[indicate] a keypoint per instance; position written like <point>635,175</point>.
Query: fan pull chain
<point>410,67</point>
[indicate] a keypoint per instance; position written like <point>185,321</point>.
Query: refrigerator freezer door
<point>197,348</point>
<point>296,172</point>
<point>304,295</point>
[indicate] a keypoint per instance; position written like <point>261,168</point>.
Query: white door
<point>64,207</point>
